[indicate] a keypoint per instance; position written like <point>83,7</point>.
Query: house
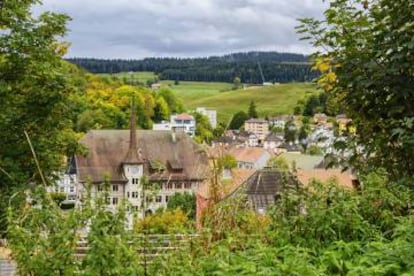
<point>250,157</point>
<point>237,138</point>
<point>125,160</point>
<point>287,147</point>
<point>229,183</point>
<point>280,121</point>
<point>302,161</point>
<point>66,183</point>
<point>179,123</point>
<point>344,178</point>
<point>155,86</point>
<point>320,119</point>
<point>272,141</point>
<point>259,127</point>
<point>210,114</point>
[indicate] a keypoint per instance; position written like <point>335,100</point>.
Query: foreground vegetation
<point>323,229</point>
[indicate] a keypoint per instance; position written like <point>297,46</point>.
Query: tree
<point>236,83</point>
<point>204,131</point>
<point>366,57</point>
<point>290,131</point>
<point>35,85</point>
<point>184,201</point>
<point>238,120</point>
<point>161,110</point>
<point>252,110</point>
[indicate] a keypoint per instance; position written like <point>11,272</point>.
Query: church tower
<point>133,166</point>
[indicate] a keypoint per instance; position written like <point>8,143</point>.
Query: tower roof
<point>133,156</point>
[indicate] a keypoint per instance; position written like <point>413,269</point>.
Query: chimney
<point>132,154</point>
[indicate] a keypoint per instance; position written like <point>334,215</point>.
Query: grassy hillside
<point>270,100</point>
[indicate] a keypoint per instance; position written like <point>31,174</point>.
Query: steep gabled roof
<point>108,148</point>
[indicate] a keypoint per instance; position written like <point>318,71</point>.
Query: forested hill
<point>276,67</point>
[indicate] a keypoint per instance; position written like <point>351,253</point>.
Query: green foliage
<point>35,87</point>
<point>238,120</point>
<point>58,197</point>
<point>204,130</point>
<point>278,162</point>
<point>290,131</point>
<point>251,112</point>
<point>161,110</point>
<point>367,63</point>
<point>227,161</point>
<point>173,221</point>
<point>314,150</point>
<point>184,201</point>
<point>236,83</point>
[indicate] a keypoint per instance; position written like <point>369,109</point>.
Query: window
<point>127,194</point>
<point>72,189</point>
<point>115,188</point>
<point>149,199</point>
<point>170,185</point>
<point>158,199</point>
<point>115,201</point>
<point>135,180</point>
<point>134,194</point>
<point>166,198</point>
<point>188,185</point>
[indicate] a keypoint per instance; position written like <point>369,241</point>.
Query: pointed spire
<point>132,155</point>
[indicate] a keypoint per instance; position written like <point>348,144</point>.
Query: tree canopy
<point>366,60</point>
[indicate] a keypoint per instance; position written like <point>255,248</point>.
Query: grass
<point>194,90</point>
<point>269,100</point>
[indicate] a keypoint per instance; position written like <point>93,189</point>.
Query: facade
<point>210,113</point>
<point>164,162</point>
<point>179,123</point>
<point>259,127</point>
<point>280,121</point>
<point>66,184</point>
<point>273,141</point>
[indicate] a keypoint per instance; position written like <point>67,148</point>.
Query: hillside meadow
<point>270,100</point>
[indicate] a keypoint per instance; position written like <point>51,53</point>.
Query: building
<point>280,121</point>
<point>272,141</point>
<point>125,160</point>
<point>250,157</point>
<point>320,119</point>
<point>259,127</point>
<point>179,123</point>
<point>210,114</point>
<point>66,184</point>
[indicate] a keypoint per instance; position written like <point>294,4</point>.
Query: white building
<point>178,122</point>
<point>210,113</point>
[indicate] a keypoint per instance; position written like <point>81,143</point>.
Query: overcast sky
<point>182,28</point>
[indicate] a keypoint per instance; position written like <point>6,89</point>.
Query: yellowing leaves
<point>325,65</point>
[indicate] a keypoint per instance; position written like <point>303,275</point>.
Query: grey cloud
<point>140,28</point>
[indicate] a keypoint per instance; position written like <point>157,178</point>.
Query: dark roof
<point>264,182</point>
<point>107,150</point>
<point>274,137</point>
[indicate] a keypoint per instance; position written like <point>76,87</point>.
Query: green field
<point>269,100</point>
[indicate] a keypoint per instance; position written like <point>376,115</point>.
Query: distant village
<point>168,160</point>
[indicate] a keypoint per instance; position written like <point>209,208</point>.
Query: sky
<point>135,29</point>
